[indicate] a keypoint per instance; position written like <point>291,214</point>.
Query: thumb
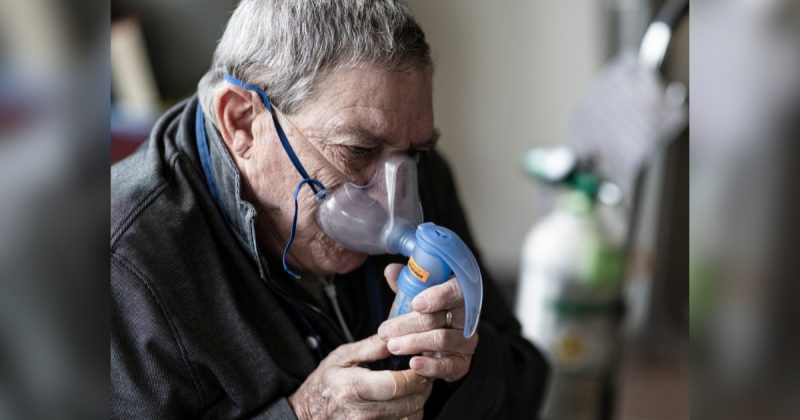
<point>391,272</point>
<point>369,349</point>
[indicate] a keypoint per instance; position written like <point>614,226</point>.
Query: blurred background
<point>510,77</point>
<point>565,125</point>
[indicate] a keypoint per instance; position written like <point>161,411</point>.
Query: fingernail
<point>420,304</point>
<point>393,345</point>
<point>382,332</point>
<point>417,364</point>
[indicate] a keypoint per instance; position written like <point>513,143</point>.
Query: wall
<point>507,73</point>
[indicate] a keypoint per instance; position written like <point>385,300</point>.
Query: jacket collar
<point>239,213</point>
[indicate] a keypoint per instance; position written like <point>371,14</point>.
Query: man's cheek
<point>272,188</point>
<point>323,166</point>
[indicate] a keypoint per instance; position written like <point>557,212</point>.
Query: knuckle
<point>361,393</point>
<point>428,322</point>
<point>437,369</point>
<point>444,338</point>
<point>434,298</point>
<point>438,339</point>
<point>332,357</point>
<point>344,349</point>
<point>447,367</point>
<point>340,353</point>
<point>346,392</point>
<point>437,303</point>
<point>388,330</point>
<point>453,289</point>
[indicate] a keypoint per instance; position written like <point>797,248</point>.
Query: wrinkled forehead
<point>388,108</point>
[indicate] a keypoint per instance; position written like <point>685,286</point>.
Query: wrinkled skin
<point>339,388</point>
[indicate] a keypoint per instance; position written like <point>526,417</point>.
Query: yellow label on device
<point>418,271</point>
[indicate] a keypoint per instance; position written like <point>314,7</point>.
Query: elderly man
<point>208,318</point>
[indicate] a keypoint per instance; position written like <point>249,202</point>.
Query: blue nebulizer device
<point>385,217</point>
<point>434,253</point>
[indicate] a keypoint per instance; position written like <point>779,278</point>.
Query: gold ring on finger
<point>448,323</point>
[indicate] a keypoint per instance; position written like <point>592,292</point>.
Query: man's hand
<point>446,354</point>
<point>339,388</point>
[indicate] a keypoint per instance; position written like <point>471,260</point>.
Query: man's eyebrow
<point>371,139</point>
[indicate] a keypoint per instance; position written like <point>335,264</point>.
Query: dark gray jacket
<point>204,326</point>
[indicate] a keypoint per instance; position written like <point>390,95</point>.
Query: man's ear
<point>236,112</point>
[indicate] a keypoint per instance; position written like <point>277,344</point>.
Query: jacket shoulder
<point>138,180</point>
<point>135,184</point>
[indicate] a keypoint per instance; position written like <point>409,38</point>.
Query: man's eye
<point>358,151</point>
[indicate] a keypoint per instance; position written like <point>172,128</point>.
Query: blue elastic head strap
<point>281,135</point>
<point>316,187</point>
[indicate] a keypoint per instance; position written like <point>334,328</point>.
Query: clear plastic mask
<point>368,218</point>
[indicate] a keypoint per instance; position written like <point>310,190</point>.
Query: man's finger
<point>391,272</point>
<point>407,383</point>
<point>402,407</point>
<point>435,340</point>
<point>448,368</point>
<point>385,385</point>
<point>438,298</point>
<point>367,350</point>
<point>415,322</point>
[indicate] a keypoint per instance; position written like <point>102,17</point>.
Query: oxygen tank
<point>569,290</point>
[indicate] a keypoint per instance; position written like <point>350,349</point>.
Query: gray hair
<point>288,46</point>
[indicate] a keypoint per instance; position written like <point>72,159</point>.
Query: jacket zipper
<point>287,295</point>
